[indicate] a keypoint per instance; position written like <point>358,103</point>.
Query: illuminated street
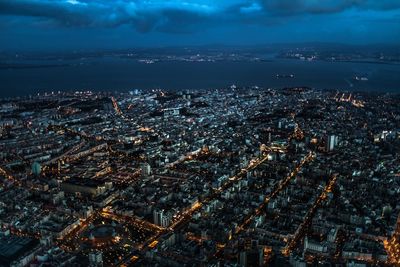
<point>235,177</point>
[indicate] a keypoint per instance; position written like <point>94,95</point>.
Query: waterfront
<point>124,74</point>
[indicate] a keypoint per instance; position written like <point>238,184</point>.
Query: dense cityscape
<point>200,133</point>
<point>229,177</point>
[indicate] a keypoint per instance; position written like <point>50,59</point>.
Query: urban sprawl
<point>229,177</point>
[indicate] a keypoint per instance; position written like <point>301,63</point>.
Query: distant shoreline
<point>122,75</point>
<point>30,66</point>
<point>16,66</point>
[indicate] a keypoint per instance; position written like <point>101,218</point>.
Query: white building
<point>331,143</point>
<point>162,218</point>
<point>96,259</point>
<point>146,169</point>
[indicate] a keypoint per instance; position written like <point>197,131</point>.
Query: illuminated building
<point>146,169</point>
<point>85,186</point>
<point>331,142</point>
<point>36,168</point>
<point>161,218</point>
<point>96,259</point>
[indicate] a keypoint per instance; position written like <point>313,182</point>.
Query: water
<point>125,74</point>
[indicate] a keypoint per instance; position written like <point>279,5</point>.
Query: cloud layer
<point>174,15</point>
<point>144,15</point>
<point>51,24</point>
<point>293,7</point>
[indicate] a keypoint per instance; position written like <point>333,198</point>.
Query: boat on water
<point>279,76</point>
<point>360,78</point>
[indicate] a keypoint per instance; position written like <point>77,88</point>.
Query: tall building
<point>161,218</point>
<point>243,259</point>
<point>96,259</point>
<point>146,169</point>
<point>157,216</point>
<point>251,257</point>
<point>36,168</point>
<point>331,142</point>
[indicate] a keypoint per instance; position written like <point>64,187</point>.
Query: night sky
<point>94,24</point>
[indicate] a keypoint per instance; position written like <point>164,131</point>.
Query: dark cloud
<point>295,7</point>
<point>144,16</point>
<point>120,22</point>
<point>174,15</point>
<point>55,10</point>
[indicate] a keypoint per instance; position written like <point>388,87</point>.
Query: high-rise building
<point>36,168</point>
<point>331,142</point>
<point>243,259</point>
<point>146,169</point>
<point>96,259</point>
<point>251,257</point>
<point>161,218</point>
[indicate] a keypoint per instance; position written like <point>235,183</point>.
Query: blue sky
<point>86,24</point>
